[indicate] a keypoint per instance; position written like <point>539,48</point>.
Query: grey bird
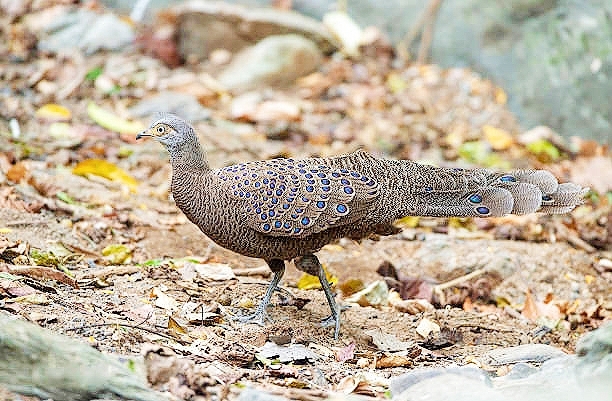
<point>284,209</point>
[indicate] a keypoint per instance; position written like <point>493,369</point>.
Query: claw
<point>259,317</point>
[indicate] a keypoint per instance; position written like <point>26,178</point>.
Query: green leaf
<point>544,149</point>
<point>64,197</point>
<point>93,73</point>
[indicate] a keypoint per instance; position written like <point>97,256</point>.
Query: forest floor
<point>101,253</point>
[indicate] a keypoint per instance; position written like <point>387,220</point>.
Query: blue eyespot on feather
<point>482,210</point>
<point>475,198</point>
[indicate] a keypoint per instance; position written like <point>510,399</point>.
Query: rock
<point>596,345</point>
<point>561,377</point>
<point>252,394</point>
<point>87,31</point>
<point>182,104</point>
<point>454,383</point>
<point>345,30</point>
<point>275,61</point>
<point>206,26</point>
<point>521,353</point>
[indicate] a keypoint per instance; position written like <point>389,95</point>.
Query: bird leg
<point>311,265</point>
<point>260,316</point>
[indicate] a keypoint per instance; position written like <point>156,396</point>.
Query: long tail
<point>420,190</point>
<point>455,192</point>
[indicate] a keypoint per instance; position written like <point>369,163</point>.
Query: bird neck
<point>188,156</point>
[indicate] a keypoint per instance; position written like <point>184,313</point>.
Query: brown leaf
<point>17,172</point>
<point>38,272</point>
<point>393,361</point>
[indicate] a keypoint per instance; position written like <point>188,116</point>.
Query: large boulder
<point>274,61</point>
<point>204,26</point>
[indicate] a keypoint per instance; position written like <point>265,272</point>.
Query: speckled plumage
<point>285,209</point>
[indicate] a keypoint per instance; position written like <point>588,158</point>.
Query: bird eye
<point>160,130</point>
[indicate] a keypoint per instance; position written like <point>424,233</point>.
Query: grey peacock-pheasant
<point>284,209</point>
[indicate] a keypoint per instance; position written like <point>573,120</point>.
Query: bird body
<point>284,209</point>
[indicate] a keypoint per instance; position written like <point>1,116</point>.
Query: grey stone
<point>87,31</point>
<point>208,25</point>
<point>450,386</point>
<point>275,61</point>
<point>403,382</point>
<point>596,345</point>
<point>252,394</point>
<point>182,104</point>
<point>522,353</point>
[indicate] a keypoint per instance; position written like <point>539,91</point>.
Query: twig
<point>564,233</point>
<point>438,289</point>
<point>425,24</point>
<point>428,31</point>
<point>131,326</point>
<point>111,271</point>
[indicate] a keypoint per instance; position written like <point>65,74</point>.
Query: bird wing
<point>286,197</point>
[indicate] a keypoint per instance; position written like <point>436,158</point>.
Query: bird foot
<point>260,317</point>
<point>332,321</point>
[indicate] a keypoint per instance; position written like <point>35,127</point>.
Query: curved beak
<point>143,134</point>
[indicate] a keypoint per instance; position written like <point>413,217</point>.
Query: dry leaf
<point>426,327</point>
<point>310,282</point>
<point>411,306</point>
<point>55,112</point>
<point>107,170</point>
<point>162,300</point>
<point>17,172</point>
<point>112,122</point>
<point>388,342</point>
<point>393,361</point>
<point>117,254</point>
<point>37,272</point>
<point>499,139</point>
<point>346,353</point>
<point>376,293</point>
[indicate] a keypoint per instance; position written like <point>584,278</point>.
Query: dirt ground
<point>93,247</point>
<point>113,309</point>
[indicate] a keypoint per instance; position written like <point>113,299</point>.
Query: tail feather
<point>567,196</point>
<point>527,197</point>
<point>485,194</point>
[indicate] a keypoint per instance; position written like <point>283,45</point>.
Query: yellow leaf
<point>310,282</point>
<point>396,83</point>
<point>5,230</point>
<point>408,222</point>
<point>111,121</point>
<point>52,111</point>
<point>175,327</point>
<point>117,254</point>
<point>498,138</point>
<point>107,170</point>
<point>500,96</point>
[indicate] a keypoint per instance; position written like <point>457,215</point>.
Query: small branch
<point>424,25</point>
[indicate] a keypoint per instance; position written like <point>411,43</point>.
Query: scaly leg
<point>311,265</point>
<point>260,316</point>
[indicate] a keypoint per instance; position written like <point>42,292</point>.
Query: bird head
<point>169,129</point>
